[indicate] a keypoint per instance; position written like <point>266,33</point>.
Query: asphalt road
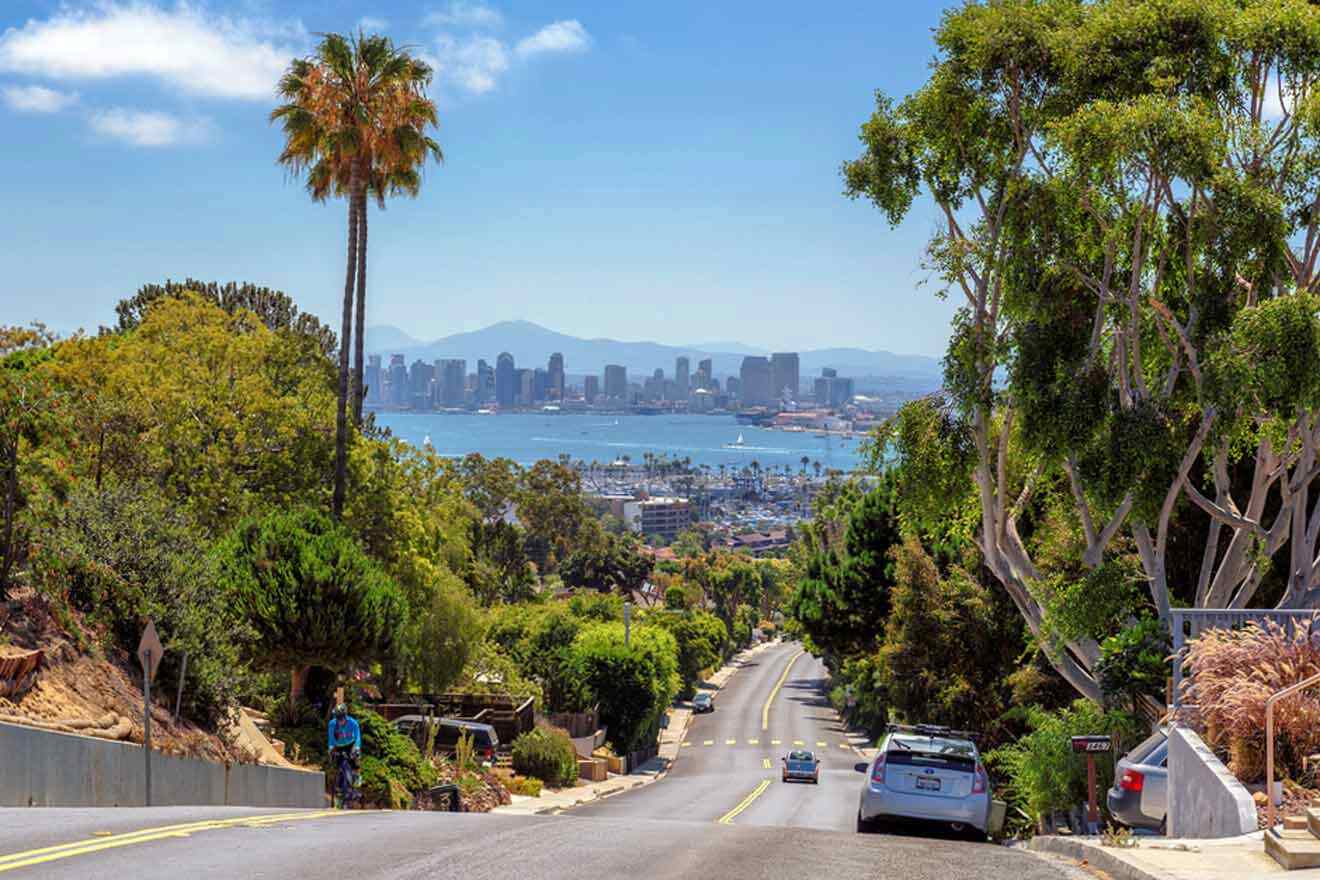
<point>669,829</point>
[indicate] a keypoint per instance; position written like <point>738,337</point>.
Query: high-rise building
<point>420,376</point>
<point>590,389</point>
<point>704,374</point>
<point>732,386</point>
<point>654,386</point>
<point>373,378</point>
<point>831,389</point>
<point>398,380</point>
<point>681,378</point>
<point>784,375</point>
<point>540,385</point>
<point>484,392</point>
<point>756,381</point>
<point>524,382</point>
<point>616,382</point>
<point>556,377</point>
<point>451,379</point>
<point>505,389</point>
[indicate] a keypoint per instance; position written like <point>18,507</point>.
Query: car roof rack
<point>931,730</point>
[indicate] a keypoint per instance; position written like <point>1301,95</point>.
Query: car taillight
<point>981,782</point>
<point>878,772</point>
<point>1131,781</point>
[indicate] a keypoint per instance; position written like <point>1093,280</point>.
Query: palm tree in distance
<point>355,119</point>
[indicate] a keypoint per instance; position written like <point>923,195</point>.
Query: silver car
<point>926,773</point>
<point>1140,796</point>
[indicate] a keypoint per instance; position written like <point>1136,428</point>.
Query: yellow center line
<point>709,742</point>
<point>753,742</point>
<point>765,763</point>
<point>775,742</point>
<point>820,744</point>
<point>765,712</point>
<point>727,818</point>
<point>730,742</point>
<point>798,742</point>
<point>28,858</point>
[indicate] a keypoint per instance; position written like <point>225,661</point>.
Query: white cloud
<point>371,23</point>
<point>463,14</point>
<point>561,36</point>
<point>147,128</point>
<point>37,99</point>
<point>184,47</point>
<point>474,64</point>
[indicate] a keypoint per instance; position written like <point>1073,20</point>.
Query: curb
<point>1094,856</point>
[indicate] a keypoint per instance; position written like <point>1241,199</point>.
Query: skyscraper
<point>681,378</point>
<point>616,382</point>
<point>756,381</point>
<point>590,389</point>
<point>523,383</point>
<point>540,385</point>
<point>420,376</point>
<point>784,375</point>
<point>506,391</point>
<point>485,390</point>
<point>398,380</point>
<point>556,377</point>
<point>373,378</point>
<point>704,374</point>
<point>452,376</point>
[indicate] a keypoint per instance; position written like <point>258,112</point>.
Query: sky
<point>666,172</point>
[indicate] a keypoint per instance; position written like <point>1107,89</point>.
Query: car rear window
<point>949,754</point>
<point>1147,747</point>
<point>799,756</point>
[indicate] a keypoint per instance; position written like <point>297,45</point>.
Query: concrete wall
<point>41,768</point>
<point>1205,799</point>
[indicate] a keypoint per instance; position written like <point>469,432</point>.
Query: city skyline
<point>611,152</point>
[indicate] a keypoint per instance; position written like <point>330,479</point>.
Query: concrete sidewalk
<point>1158,858</point>
<point>671,739</point>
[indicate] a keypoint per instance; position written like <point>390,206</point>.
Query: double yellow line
<point>31,857</point>
<point>727,818</point>
<point>765,712</point>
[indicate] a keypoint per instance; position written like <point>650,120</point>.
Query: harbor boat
<point>426,441</point>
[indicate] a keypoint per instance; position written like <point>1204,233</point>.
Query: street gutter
<point>1092,855</point>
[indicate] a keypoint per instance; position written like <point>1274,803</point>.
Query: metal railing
<point>1269,742</point>
<point>1188,623</point>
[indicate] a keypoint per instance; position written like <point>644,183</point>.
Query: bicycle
<point>346,792</point>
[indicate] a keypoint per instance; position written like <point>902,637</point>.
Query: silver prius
<point>926,773</point>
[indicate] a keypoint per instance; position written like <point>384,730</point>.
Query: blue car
<point>801,765</point>
<point>929,774</point>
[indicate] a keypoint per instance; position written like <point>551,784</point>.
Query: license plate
<point>925,783</point>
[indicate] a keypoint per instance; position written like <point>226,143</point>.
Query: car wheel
<point>1164,827</point>
<point>863,826</point>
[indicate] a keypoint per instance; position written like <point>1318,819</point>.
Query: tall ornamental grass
<point>1233,673</point>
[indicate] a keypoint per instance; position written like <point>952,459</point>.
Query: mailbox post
<point>1092,746</point>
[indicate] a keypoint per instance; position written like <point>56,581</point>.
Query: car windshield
<point>799,756</point>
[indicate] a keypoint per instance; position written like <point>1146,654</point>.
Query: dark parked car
<point>1140,796</point>
<point>703,702</point>
<point>447,731</point>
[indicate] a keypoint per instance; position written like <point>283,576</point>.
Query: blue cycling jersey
<point>345,732</point>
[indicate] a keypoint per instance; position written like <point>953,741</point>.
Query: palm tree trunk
<point>345,340</point>
<point>359,390</point>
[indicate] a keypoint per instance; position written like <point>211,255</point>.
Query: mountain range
<point>531,345</point>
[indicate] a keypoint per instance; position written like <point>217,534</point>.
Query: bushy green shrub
<point>701,639</point>
<point>391,764</point>
<point>633,684</point>
<point>1135,662</point>
<point>1043,772</point>
<point>547,754</point>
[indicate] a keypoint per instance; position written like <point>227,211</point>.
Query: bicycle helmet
<point>341,711</point>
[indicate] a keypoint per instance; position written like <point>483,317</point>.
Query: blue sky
<point>639,171</point>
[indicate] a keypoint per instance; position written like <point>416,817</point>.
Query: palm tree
<point>355,118</point>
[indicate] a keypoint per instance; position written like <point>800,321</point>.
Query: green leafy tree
<point>613,564</point>
<point>1127,218</point>
<point>701,640</point>
<point>310,593</point>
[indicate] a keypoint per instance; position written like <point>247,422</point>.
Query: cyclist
<point>344,737</point>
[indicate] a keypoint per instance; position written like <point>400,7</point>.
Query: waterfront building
<point>590,389</point>
<point>505,389</point>
<point>705,374</point>
<point>681,386</point>
<point>756,382</point>
<point>540,385</point>
<point>832,389</point>
<point>654,386</point>
<point>420,376</point>
<point>666,517</point>
<point>524,385</point>
<point>616,382</point>
<point>373,377</point>
<point>785,372</point>
<point>484,390</point>
<point>398,381</point>
<point>702,400</point>
<point>556,370</point>
<point>451,379</point>
<point>732,386</point>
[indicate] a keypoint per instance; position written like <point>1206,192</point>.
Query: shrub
<point>392,767</point>
<point>1044,774</point>
<point>701,638</point>
<point>676,599</point>
<point>632,684</point>
<point>1233,673</point>
<point>547,754</point>
<point>1134,662</point>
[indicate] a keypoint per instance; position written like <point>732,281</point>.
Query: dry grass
<point>1233,673</point>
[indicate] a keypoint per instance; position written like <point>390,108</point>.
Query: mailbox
<point>1091,744</point>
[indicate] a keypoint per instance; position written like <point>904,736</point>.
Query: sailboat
<point>737,444</point>
<point>426,441</point>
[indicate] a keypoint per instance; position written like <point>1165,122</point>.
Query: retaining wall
<point>1205,799</point>
<point>42,768</point>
